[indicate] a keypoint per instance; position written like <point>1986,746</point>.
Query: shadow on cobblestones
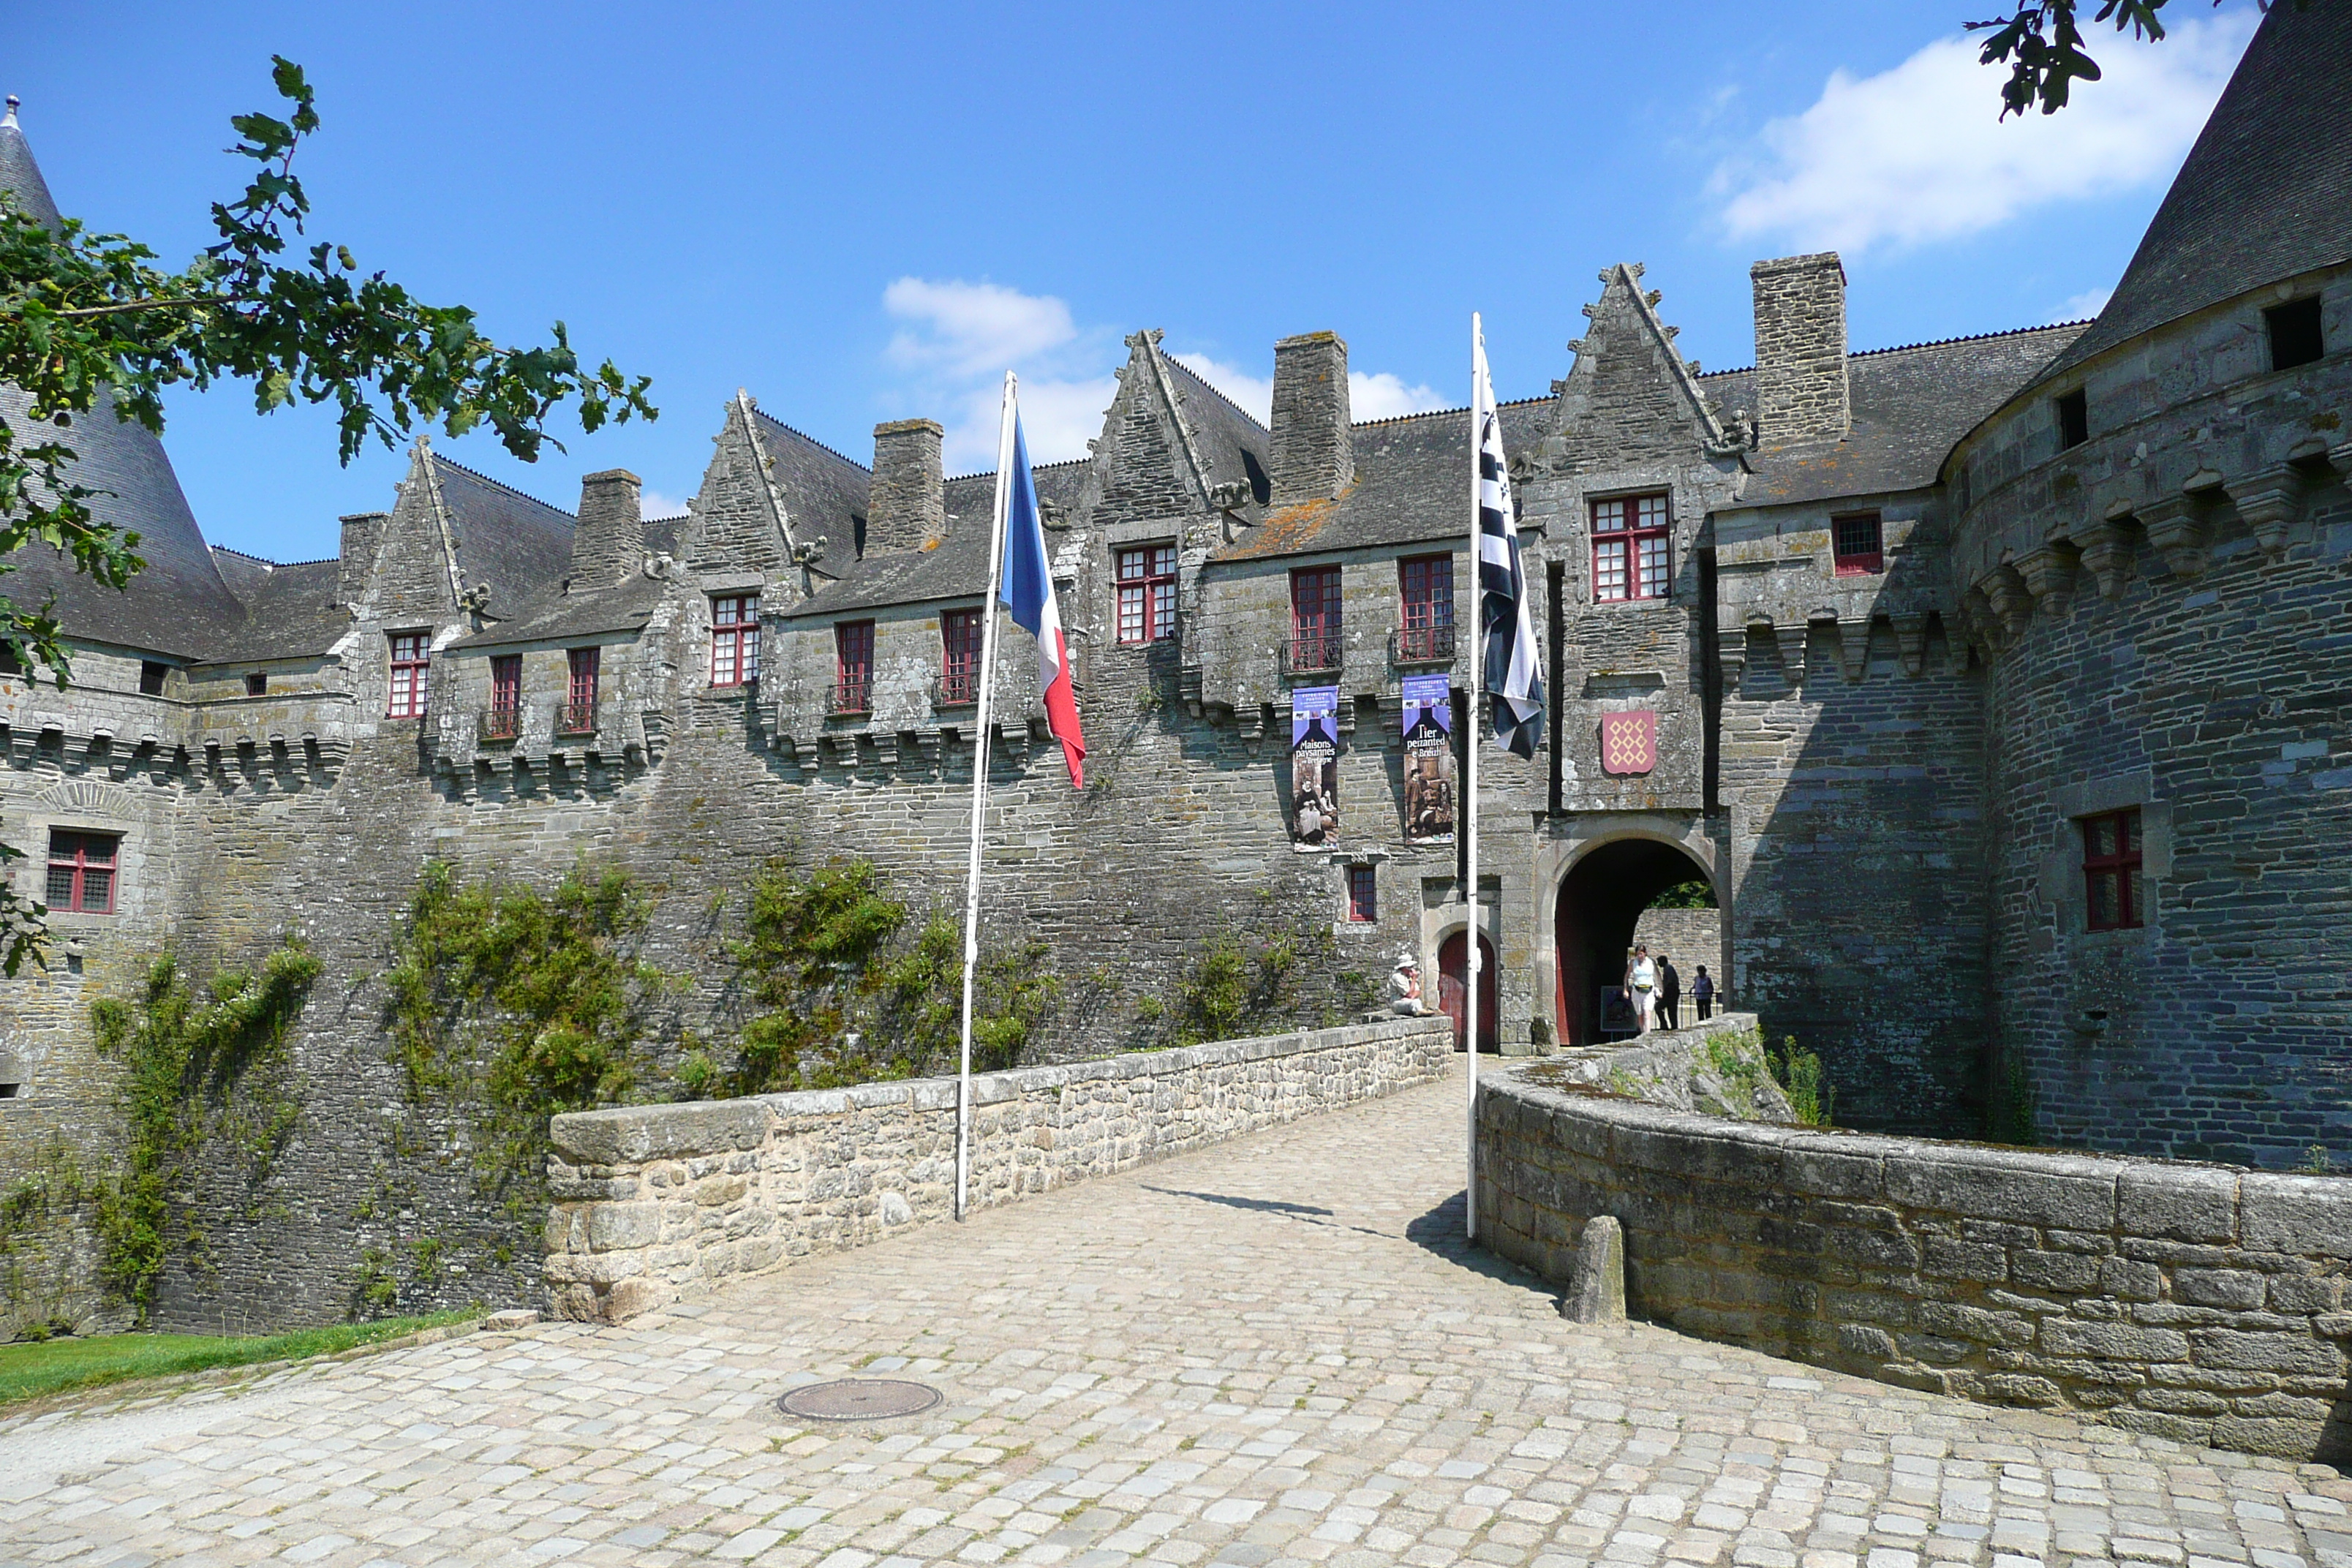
<point>1440,1231</point>
<point>1303,1211</point>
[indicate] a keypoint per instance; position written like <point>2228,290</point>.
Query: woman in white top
<point>1641,985</point>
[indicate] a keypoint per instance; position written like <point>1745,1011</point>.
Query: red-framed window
<point>1858,545</point>
<point>2111,869</point>
<point>506,682</point>
<point>82,872</point>
<point>1629,552</point>
<point>1315,626</point>
<point>1425,585</point>
<point>735,639</point>
<point>1363,895</point>
<point>959,635</point>
<point>584,665</point>
<point>853,677</point>
<point>1147,594</point>
<point>412,657</point>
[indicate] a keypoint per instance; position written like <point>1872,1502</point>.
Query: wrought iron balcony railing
<point>852,697</point>
<point>1425,645</point>
<point>1315,655</point>
<point>576,719</point>
<point>501,723</point>
<point>956,689</point>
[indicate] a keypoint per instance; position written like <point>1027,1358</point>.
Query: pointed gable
<point>737,523</point>
<point>1630,395</point>
<point>1146,460</point>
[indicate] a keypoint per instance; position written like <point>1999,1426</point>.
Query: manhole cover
<point>858,1399</point>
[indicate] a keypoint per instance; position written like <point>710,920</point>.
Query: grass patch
<point>54,1366</point>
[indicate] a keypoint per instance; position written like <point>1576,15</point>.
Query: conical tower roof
<point>2265,194</point>
<point>179,603</point>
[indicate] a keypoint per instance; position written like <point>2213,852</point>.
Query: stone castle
<point>1999,688</point>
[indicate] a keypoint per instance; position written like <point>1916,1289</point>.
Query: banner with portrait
<point>1428,788</point>
<point>1314,765</point>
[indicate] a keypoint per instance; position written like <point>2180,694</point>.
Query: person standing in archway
<point>1641,987</point>
<point>1670,994</point>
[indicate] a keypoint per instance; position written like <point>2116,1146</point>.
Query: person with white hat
<point>1404,987</point>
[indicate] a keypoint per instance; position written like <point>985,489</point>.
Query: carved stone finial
<point>11,117</point>
<point>1652,298</point>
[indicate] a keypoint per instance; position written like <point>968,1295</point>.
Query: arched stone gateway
<point>1597,900</point>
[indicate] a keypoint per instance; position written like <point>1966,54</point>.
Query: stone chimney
<point>1800,381</point>
<point>608,546</point>
<point>1313,458</point>
<point>907,507</point>
<point>362,537</point>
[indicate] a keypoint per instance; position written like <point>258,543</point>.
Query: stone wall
<point>649,1200</point>
<point>1689,937</point>
<point>2201,1302</point>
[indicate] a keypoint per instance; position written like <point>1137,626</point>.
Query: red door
<point>1450,972</point>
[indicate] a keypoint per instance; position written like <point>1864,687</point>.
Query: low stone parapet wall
<point>646,1200</point>
<point>2200,1303</point>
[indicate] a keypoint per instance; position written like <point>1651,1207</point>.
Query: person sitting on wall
<point>1670,994</point>
<point>1703,993</point>
<point>1641,985</point>
<point>1404,988</point>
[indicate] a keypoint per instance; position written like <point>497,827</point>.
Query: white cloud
<point>1917,153</point>
<point>2083,306</point>
<point>973,329</point>
<point>1059,417</point>
<point>1382,394</point>
<point>653,503</point>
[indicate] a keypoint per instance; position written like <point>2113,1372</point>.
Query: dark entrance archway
<point>1592,921</point>
<point>1452,973</point>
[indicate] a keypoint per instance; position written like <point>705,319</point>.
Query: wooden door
<point>1451,971</point>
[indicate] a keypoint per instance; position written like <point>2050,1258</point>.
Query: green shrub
<point>1803,1079</point>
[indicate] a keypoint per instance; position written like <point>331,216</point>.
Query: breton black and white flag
<point>1514,679</point>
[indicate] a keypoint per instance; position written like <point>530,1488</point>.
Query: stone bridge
<point>1271,1349</point>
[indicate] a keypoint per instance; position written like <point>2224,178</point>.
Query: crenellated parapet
<point>282,743</point>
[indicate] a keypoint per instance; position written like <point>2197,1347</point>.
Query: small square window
<point>151,678</point>
<point>735,640</point>
<point>1630,537</point>
<point>2296,337</point>
<point>1363,895</point>
<point>1858,545</point>
<point>2074,418</point>
<point>256,685</point>
<point>2111,870</point>
<point>1147,594</point>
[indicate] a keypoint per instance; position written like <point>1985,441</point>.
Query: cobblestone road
<point>1268,1352</point>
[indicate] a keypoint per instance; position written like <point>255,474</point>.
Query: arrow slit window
<point>1629,552</point>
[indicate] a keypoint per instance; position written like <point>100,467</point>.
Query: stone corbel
<point>2176,526</point>
<point>1853,645</point>
<point>1731,655</point>
<point>1911,643</point>
<point>1791,640</point>
<point>2005,594</point>
<point>2106,549</point>
<point>1978,623</point>
<point>2269,499</point>
<point>2339,457</point>
<point>2048,573</point>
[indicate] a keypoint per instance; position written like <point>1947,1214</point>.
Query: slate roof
<point>1412,486</point>
<point>2264,194</point>
<point>1230,441</point>
<point>518,544</point>
<point>1910,404</point>
<point>179,603</point>
<point>825,492</point>
<point>289,614</point>
<point>241,573</point>
<point>626,605</point>
<point>957,567</point>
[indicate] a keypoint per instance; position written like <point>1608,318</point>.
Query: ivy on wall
<point>510,1005</point>
<point>845,984</point>
<point>208,1097</point>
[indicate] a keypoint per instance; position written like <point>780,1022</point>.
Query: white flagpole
<point>1470,960</point>
<point>980,799</point>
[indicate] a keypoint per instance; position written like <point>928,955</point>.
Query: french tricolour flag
<point>1028,592</point>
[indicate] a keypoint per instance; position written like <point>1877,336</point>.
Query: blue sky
<point>861,215</point>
